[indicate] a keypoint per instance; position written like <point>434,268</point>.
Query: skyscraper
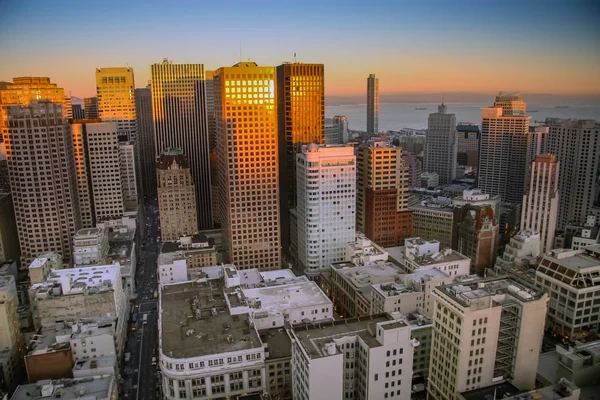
<point>176,196</point>
<point>467,147</point>
<point>246,115</point>
<point>326,185</point>
<point>90,104</point>
<point>42,179</point>
<point>440,148</point>
<point>147,151</point>
<point>116,99</point>
<point>477,234</point>
<point>96,153</point>
<point>336,130</point>
<point>540,201</point>
<point>505,146</point>
<point>300,120</point>
<point>372,104</point>
<point>180,121</point>
<point>212,140</point>
<point>576,144</point>
<point>129,169</point>
<point>381,207</point>
<point>24,90</point>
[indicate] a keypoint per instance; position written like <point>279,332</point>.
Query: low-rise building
<point>433,219</point>
<point>563,390</point>
<point>99,387</point>
<point>40,268</point>
<point>572,279</point>
<point>49,355</point>
<point>422,254</point>
<point>90,247</point>
<point>198,250</point>
<point>278,358</point>
<point>172,268</point>
<point>430,180</point>
<point>359,358</point>
<point>579,363</point>
<point>10,341</point>
<point>363,250</point>
<point>520,258</point>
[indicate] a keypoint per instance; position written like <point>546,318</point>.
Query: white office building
<point>326,189</point>
<point>423,254</point>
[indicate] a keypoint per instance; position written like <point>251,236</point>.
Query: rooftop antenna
<point>240,49</point>
<point>294,58</point>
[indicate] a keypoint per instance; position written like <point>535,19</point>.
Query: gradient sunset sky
<point>414,46</point>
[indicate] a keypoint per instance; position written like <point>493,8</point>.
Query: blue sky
<point>428,46</point>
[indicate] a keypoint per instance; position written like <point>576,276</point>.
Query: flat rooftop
<point>397,253</point>
<point>279,344</point>
<point>444,256</point>
<point>196,243</point>
<point>425,274</point>
<point>284,297</point>
<point>97,387</point>
<point>86,280</point>
<point>313,337</point>
<point>195,322</point>
<point>368,274</point>
<point>87,232</point>
<point>498,391</point>
<point>391,289</point>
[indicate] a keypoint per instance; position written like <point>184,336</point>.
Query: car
<point>154,361</point>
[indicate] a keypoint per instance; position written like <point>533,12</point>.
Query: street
<point>140,375</point>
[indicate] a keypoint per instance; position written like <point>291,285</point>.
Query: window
<point>376,377</point>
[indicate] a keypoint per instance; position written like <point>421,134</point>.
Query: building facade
<point>434,220</point>
<point>467,147</point>
<point>246,113</point>
<point>46,202</point>
<point>96,151</point>
<point>180,121</point>
<point>441,146</point>
<point>9,238</point>
<point>147,151</point>
<point>90,105</point>
<point>176,195</point>
<point>505,146</point>
<point>10,333</point>
<point>381,207</point>
<point>129,171</point>
<point>372,104</point>
<point>540,202</point>
<point>476,235</point>
<point>326,185</point>
<point>116,99</point>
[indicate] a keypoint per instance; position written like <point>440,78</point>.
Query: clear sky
<point>414,46</point>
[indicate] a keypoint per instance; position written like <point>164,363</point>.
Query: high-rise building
<point>440,148</point>
<point>336,130</point>
<point>129,167</point>
<point>246,114</point>
<point>9,239</point>
<point>176,195</point>
<point>147,151</point>
<point>10,341</point>
<point>212,145</point>
<point>520,256</point>
<point>505,146</point>
<point>539,139</point>
<point>90,105</point>
<point>300,120</point>
<point>414,169</point>
<point>326,185</point>
<point>78,112</point>
<point>382,203</point>
<point>42,179</point>
<point>540,201</point>
<point>434,220</point>
<point>485,330</point>
<point>476,235</point>
<point>467,147</point>
<point>576,145</point>
<point>68,107</point>
<point>179,111</point>
<point>96,152</point>
<point>116,99</point>
<point>24,90</point>
<point>372,104</point>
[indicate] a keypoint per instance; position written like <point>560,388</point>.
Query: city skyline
<point>473,58</point>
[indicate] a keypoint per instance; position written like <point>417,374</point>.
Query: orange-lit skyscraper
<point>246,125</point>
<point>116,99</point>
<point>372,104</point>
<point>180,121</point>
<point>301,120</point>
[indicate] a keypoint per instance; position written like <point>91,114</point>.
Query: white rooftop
<point>284,297</point>
<point>91,388</point>
<point>77,280</point>
<point>366,275</point>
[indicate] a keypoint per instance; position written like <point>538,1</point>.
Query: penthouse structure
<point>90,246</point>
<point>422,254</point>
<point>520,258</point>
<point>572,279</point>
<point>485,330</point>
<point>359,358</point>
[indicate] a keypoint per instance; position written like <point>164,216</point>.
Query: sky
<point>480,46</point>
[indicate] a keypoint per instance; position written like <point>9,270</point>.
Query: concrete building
<point>78,112</point>
<point>130,175</point>
<point>382,203</point>
<point>520,258</point>
<point>363,250</point>
<point>172,268</point>
<point>539,142</point>
<point>540,201</point>
<point>369,358</point>
<point>96,152</point>
<point>103,387</point>
<point>336,130</point>
<point>76,293</point>
<point>49,355</point>
<point>176,195</point>
<point>422,254</point>
<point>476,197</point>
<point>9,238</point>
<point>248,177</point>
<point>589,234</point>
<point>198,250</point>
<point>414,169</point>
<point>45,202</point>
<point>116,100</point>
<point>90,247</point>
<point>300,121</point>
<point>430,180</point>
<point>563,390</point>
<point>147,145</point>
<point>278,357</point>
<point>433,219</point>
<point>467,147</point>
<point>571,279</point>
<point>579,363</point>
<point>122,249</point>
<point>485,330</point>
<point>505,146</point>
<point>90,105</point>
<point>179,110</point>
<point>24,90</point>
<point>576,145</point>
<point>411,140</point>
<point>213,354</point>
<point>476,235</point>
<point>326,185</point>
<point>441,146</point>
<point>10,340</point>
<point>372,104</point>
<point>40,268</point>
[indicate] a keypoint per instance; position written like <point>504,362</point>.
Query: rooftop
<point>491,392</point>
<point>426,274</point>
<point>278,343</point>
<point>197,242</point>
<point>579,268</point>
<point>88,232</point>
<point>391,289</point>
<point>369,273</point>
<point>90,388</point>
<point>70,281</point>
<point>195,322</point>
<point>283,297</point>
